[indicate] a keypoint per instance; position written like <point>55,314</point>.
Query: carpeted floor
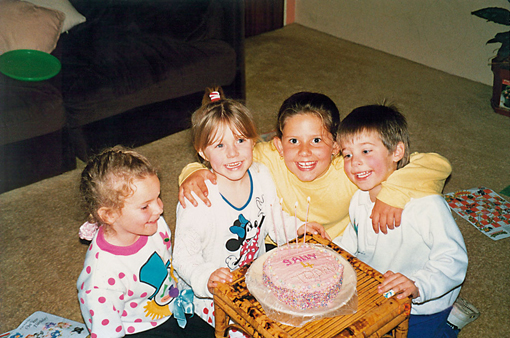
<point>41,256</point>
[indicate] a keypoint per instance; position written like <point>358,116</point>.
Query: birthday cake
<point>303,276</point>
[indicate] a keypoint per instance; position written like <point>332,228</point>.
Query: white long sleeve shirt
<point>209,238</point>
<point>427,247</point>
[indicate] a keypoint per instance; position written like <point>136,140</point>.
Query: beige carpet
<point>41,256</point>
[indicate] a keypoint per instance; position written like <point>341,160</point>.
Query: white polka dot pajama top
<point>125,290</point>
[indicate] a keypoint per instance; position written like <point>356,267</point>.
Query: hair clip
<point>88,230</point>
<point>214,96</point>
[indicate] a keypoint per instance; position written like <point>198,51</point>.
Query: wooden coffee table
<point>236,308</point>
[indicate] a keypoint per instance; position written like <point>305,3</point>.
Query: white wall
<point>441,34</point>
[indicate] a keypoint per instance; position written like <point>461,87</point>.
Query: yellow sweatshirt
<point>331,193</point>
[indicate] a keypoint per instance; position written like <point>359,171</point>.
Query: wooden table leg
<point>221,321</point>
<point>401,329</point>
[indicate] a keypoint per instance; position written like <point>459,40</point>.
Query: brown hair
<point>316,104</point>
<point>216,113</point>
<point>107,179</point>
<point>385,120</point>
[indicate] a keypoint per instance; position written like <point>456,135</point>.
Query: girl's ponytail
<point>212,94</point>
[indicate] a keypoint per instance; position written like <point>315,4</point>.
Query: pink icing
<point>303,276</point>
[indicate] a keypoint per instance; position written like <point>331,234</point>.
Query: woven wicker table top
<point>375,315</point>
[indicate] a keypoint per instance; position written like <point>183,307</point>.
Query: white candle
<point>283,223</point>
<point>274,226</point>
<point>307,209</point>
<point>295,221</point>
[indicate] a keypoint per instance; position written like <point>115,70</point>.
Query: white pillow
<point>73,17</point>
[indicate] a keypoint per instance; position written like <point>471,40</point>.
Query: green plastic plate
<point>29,65</point>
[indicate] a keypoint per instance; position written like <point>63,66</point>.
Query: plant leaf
<point>504,39</point>
<point>494,14</point>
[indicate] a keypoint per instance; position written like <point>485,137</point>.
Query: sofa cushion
<point>117,75</point>
<point>29,109</point>
<point>26,26</point>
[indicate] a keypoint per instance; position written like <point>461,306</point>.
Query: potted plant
<point>500,64</point>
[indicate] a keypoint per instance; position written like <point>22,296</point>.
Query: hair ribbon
<point>214,96</point>
<point>88,230</point>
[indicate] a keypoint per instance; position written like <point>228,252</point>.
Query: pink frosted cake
<point>303,277</point>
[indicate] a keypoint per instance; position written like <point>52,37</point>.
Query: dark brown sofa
<point>132,73</point>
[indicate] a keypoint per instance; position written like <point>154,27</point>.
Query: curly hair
<point>107,179</point>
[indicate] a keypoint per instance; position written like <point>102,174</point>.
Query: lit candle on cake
<point>283,223</point>
<point>306,221</point>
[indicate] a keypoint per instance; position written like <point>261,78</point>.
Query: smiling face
<point>230,154</point>
<point>139,215</point>
<point>306,146</point>
<point>367,162</point>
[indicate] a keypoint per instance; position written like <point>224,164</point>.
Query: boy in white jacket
<point>425,258</point>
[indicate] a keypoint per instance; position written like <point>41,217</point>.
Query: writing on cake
<point>303,276</point>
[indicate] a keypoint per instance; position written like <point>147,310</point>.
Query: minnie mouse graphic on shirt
<point>247,239</point>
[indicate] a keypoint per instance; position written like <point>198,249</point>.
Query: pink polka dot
<point>88,291</point>
<point>133,305</point>
<point>114,309</point>
<point>111,281</point>
<point>135,278</point>
<point>121,297</point>
<point>206,310</point>
<point>82,300</point>
<point>118,329</point>
<point>90,247</point>
<point>97,255</point>
<point>90,321</point>
<point>143,295</point>
<point>101,300</point>
<point>130,293</point>
<point>121,275</point>
<point>124,313</point>
<point>105,322</point>
<point>82,286</point>
<point>131,329</point>
<point>138,320</point>
<point>91,313</point>
<point>93,335</point>
<point>88,269</point>
<point>154,323</point>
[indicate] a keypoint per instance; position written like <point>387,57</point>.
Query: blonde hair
<point>107,179</point>
<point>216,113</point>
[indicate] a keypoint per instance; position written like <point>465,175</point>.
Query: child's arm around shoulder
<point>192,180</point>
<point>424,175</point>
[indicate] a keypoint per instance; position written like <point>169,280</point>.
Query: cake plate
<point>346,301</point>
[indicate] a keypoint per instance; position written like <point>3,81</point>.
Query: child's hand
<point>196,183</point>
<point>222,275</point>
<point>400,284</point>
<point>385,217</point>
<point>313,228</point>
